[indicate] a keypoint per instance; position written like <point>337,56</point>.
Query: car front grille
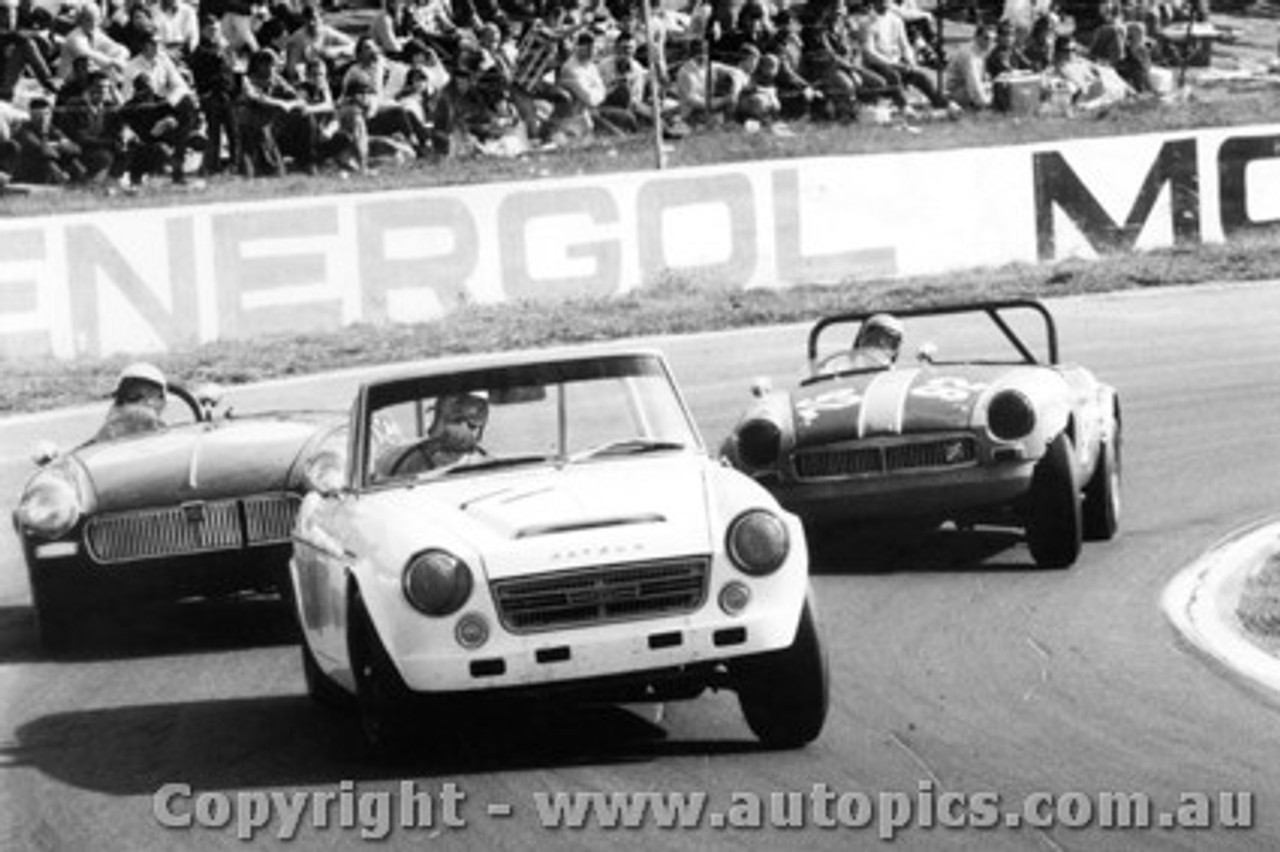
<point>597,595</point>
<point>194,527</point>
<point>931,454</point>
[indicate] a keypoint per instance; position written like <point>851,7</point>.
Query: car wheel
<point>58,615</point>
<point>1053,517</point>
<point>785,694</point>
<point>382,698</point>
<point>1102,494</point>
<point>321,688</point>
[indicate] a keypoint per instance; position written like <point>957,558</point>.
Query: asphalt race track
<point>957,667</point>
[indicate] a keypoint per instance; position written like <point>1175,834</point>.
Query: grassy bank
<point>673,308</point>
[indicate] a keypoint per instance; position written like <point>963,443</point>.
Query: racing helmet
<point>139,373</point>
<point>881,331</point>
<point>473,405</point>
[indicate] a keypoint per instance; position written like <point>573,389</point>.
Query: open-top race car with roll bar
<point>984,426</point>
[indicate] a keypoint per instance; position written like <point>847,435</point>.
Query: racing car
<point>202,506</point>
<point>545,525</point>
<point>993,430</point>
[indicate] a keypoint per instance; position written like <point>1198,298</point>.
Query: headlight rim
<point>456,598</point>
<point>734,552</point>
<point>750,457</point>
<point>48,479</point>
<point>1028,414</point>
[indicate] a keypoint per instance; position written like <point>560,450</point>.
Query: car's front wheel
<point>321,688</point>
<point>1053,516</point>
<point>785,694</point>
<point>382,697</point>
<point>59,614</point>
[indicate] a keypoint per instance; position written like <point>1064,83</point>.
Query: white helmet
<point>886,324</point>
<point>141,371</point>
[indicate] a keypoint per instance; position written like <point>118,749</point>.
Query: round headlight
<point>758,542</point>
<point>759,443</point>
<point>437,583</point>
<point>50,506</point>
<point>1010,415</point>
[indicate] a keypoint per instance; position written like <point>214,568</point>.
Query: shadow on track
<point>286,741</point>
<point>153,630</point>
<point>892,549</point>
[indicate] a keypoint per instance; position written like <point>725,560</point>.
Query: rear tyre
<point>1102,493</point>
<point>1053,517</point>
<point>784,695</point>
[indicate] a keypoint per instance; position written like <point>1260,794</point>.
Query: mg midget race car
<point>546,524</point>
<point>989,432</point>
<point>201,506</point>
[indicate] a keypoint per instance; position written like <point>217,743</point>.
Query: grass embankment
<point>1259,606</point>
<point>673,308</point>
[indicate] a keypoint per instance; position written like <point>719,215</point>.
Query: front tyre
<point>58,614</point>
<point>382,698</point>
<point>1053,516</point>
<point>785,694</point>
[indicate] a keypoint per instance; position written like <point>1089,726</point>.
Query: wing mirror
<point>209,396</point>
<point>761,387</point>
<point>324,474</point>
<point>927,353</point>
<point>44,452</point>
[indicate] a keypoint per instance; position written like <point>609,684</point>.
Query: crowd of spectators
<point>118,92</point>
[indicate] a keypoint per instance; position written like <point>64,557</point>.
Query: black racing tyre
<point>382,698</point>
<point>785,695</point>
<point>1053,517</point>
<point>1102,494</point>
<point>58,615</point>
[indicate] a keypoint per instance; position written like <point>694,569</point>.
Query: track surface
<point>955,664</point>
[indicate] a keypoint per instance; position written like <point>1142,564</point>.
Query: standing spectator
<point>177,28</point>
<point>887,52</point>
<point>18,54</point>
<point>164,79</point>
<point>216,85</point>
<point>45,154</point>
<point>966,80</point>
<point>88,40</point>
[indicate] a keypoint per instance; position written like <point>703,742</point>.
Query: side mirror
<point>324,474</point>
<point>209,396</point>
<point>44,452</point>
<point>927,353</point>
<point>761,387</point>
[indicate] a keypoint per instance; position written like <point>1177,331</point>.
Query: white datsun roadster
<point>545,524</point>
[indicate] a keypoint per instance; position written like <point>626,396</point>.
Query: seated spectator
<point>240,22</point>
<point>389,117</point>
<point>388,31</point>
<point>1136,64</point>
<point>965,79</point>
<point>922,31</point>
<point>1107,44</point>
<point>431,23</point>
<point>759,98</point>
<point>467,118</point>
<point>700,104</point>
<point>315,38</point>
<point>1005,56</point>
<point>273,120</point>
<point>887,52</point>
<point>216,85</point>
<point>1087,86</point>
<point>45,154</point>
<point>628,86</point>
<point>177,28</point>
<point>1040,44</point>
<point>89,41</point>
<point>833,61</point>
<point>19,55</point>
<point>154,132</point>
<point>349,145</point>
<point>92,120</point>
<point>581,78</point>
<point>9,151</point>
<point>795,92</point>
<point>163,78</point>
<point>131,26</point>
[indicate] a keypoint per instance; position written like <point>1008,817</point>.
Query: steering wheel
<point>423,448</point>
<point>198,412</point>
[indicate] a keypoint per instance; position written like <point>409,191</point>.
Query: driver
<point>453,436</point>
<point>137,403</point>
<point>878,342</point>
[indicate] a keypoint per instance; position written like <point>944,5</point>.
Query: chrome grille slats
<point>601,594</point>
<point>190,528</point>
<point>932,453</point>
